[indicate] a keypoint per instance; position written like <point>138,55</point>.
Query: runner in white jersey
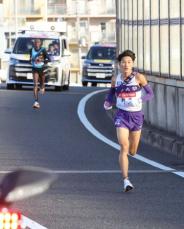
<point>129,99</point>
<point>127,87</point>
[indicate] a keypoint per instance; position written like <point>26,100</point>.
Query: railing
<point>29,12</point>
<point>62,9</point>
<point>91,12</point>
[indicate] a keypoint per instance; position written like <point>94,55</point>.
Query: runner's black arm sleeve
<point>30,55</point>
<point>47,56</point>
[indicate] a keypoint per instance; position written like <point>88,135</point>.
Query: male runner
<point>39,57</point>
<point>127,87</point>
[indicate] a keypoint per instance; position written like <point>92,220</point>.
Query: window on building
<point>110,31</point>
<point>29,6</point>
<point>110,6</point>
<point>84,28</point>
<point>103,26</point>
<point>56,1</point>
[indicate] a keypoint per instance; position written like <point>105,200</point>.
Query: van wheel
<point>58,88</point>
<point>10,86</point>
<point>84,84</point>
<point>94,84</point>
<point>66,87</point>
<point>18,86</point>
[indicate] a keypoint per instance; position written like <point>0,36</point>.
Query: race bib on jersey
<point>125,95</point>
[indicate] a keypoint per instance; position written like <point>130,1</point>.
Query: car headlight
<point>86,65</point>
<point>13,61</point>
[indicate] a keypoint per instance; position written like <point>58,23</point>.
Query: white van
<point>20,69</point>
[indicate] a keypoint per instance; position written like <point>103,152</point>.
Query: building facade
<point>154,30</point>
<point>88,21</point>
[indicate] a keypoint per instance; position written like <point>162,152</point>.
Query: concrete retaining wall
<point>164,116</point>
<point>166,110</point>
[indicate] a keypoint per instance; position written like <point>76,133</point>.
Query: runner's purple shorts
<point>130,120</point>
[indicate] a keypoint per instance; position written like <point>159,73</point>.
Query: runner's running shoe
<point>127,185</point>
<point>36,105</point>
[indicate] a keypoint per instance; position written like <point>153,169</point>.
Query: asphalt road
<point>89,195</point>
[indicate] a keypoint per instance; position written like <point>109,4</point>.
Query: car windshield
<point>24,44</point>
<point>108,53</point>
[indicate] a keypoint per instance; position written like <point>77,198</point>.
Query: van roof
<point>104,45</point>
<point>34,34</point>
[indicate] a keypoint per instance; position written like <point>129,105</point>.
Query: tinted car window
<point>108,53</point>
<point>24,44</point>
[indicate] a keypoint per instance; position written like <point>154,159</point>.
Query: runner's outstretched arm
<point>110,95</point>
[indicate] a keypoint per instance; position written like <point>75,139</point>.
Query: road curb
<point>160,139</point>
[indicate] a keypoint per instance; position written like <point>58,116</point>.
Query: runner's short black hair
<point>38,39</point>
<point>126,53</point>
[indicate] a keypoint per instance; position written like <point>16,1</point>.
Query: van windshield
<point>24,44</point>
<point>108,53</point>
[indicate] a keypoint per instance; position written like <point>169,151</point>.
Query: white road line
<point>4,172</point>
<point>85,171</point>
<point>97,134</point>
<point>107,171</point>
<point>31,224</point>
<point>111,171</point>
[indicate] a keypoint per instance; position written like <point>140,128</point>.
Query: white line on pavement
<point>111,171</point>
<point>4,172</point>
<point>107,171</point>
<point>31,224</point>
<point>97,134</point>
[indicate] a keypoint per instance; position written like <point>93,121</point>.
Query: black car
<point>99,64</point>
